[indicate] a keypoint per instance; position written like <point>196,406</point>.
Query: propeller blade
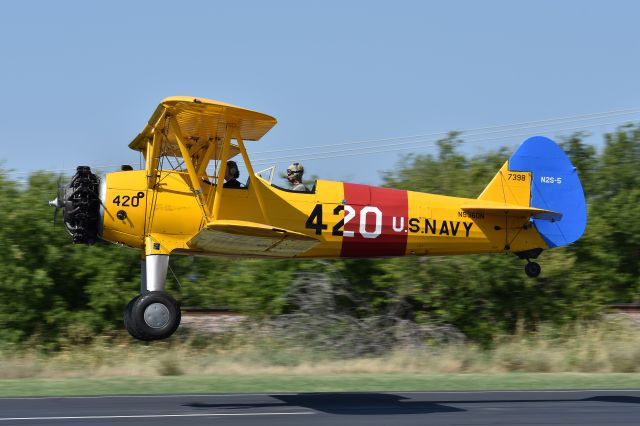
<point>58,202</point>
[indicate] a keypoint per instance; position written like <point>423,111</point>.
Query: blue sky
<point>80,79</point>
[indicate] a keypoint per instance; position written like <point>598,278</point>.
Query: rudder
<point>539,174</point>
<point>555,185</point>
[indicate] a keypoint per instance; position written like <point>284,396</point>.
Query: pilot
<point>231,176</point>
<point>294,176</point>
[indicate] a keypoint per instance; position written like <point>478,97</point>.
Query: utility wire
<point>467,134</point>
<point>491,129</point>
<point>425,144</point>
<point>402,143</point>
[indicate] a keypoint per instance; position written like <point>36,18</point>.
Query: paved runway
<point>604,407</point>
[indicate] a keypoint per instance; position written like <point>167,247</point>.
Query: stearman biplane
<point>178,205</point>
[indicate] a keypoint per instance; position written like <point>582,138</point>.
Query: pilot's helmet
<point>232,168</point>
<point>295,170</point>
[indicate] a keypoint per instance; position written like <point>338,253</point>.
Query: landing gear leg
<point>532,269</point>
<point>154,314</point>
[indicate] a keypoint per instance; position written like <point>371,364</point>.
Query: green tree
<point>51,289</point>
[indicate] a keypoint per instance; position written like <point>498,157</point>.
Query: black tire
<point>532,269</point>
<point>129,325</point>
<point>145,329</point>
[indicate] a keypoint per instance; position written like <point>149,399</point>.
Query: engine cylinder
<point>82,206</point>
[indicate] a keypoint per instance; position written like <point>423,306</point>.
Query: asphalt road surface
<point>604,407</point>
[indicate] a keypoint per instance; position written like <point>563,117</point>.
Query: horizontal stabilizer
<point>512,209</point>
<point>235,237</point>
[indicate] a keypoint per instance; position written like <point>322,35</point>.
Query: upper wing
<point>513,209</point>
<point>236,237</point>
<point>202,121</point>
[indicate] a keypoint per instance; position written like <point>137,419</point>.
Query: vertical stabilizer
<point>508,188</point>
<point>539,174</point>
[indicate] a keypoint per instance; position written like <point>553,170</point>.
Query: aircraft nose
<point>56,202</point>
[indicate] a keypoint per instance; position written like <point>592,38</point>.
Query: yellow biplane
<point>179,205</point>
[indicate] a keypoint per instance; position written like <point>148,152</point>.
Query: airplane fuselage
<point>349,220</point>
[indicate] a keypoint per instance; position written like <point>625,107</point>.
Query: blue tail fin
<point>555,186</point>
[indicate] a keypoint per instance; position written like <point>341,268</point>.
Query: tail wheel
<point>154,315</point>
<point>532,269</point>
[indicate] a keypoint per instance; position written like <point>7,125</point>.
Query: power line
<point>427,140</point>
<point>492,129</point>
<point>394,148</point>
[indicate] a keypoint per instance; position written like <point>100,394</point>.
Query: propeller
<point>58,202</point>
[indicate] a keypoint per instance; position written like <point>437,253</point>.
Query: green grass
<point>269,383</point>
<point>592,356</point>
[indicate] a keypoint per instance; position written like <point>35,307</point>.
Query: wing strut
<point>213,146</point>
<point>186,157</point>
<point>252,176</point>
<point>153,157</point>
<point>217,201</point>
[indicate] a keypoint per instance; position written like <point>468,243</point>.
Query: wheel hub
<point>156,315</point>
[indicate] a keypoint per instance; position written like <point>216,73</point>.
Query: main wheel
<point>532,269</point>
<point>154,315</point>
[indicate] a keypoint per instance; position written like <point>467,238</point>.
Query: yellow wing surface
<point>237,237</point>
<point>202,120</point>
<point>201,125</point>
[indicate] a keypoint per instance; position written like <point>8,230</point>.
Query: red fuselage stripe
<point>385,224</point>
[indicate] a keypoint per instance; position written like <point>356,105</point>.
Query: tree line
<point>50,288</point>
